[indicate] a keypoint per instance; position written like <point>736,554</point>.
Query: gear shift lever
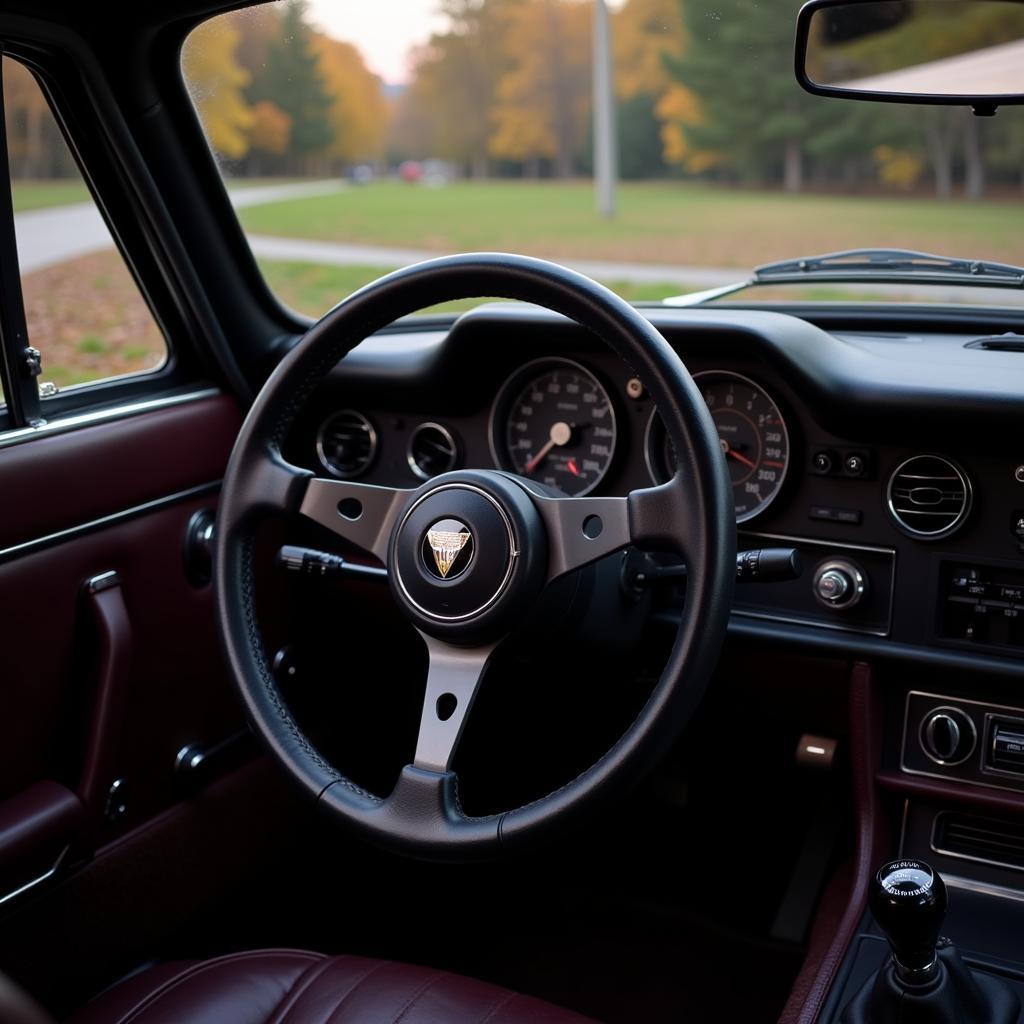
<point>924,981</point>
<point>908,899</point>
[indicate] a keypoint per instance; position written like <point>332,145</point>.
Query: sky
<point>384,30</point>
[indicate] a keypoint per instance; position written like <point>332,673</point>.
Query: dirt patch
<point>89,320</point>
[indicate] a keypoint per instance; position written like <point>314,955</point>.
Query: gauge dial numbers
<point>752,435</point>
<point>554,423</point>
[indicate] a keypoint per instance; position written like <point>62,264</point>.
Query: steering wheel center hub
<point>461,554</point>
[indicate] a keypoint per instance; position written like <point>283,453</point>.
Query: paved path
<point>58,233</point>
<point>344,254</point>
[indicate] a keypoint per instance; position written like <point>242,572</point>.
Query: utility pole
<point>606,170</point>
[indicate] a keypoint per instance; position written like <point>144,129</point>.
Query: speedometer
<point>752,435</point>
<point>554,422</point>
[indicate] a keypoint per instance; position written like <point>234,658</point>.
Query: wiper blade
<point>895,265</point>
<point>892,266</point>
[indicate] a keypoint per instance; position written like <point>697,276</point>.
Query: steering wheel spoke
<point>363,514</point>
<point>583,530</point>
<point>452,681</point>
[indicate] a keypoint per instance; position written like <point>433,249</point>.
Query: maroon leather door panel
<point>53,483</point>
<point>173,687</point>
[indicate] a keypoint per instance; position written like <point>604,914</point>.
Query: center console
<point>937,758</point>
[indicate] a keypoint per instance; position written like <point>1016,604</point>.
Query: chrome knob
<point>839,584</point>
<point>833,586</point>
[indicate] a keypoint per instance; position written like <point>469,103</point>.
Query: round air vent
<point>346,443</point>
<point>929,497</point>
<point>432,450</point>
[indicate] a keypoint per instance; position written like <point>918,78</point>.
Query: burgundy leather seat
<point>283,986</point>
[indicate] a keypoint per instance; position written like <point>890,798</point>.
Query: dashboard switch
<point>824,462</point>
<point>948,735</point>
<point>855,464</point>
<point>839,584</point>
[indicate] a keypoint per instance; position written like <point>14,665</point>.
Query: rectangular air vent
<point>997,841</point>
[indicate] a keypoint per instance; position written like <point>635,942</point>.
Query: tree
<point>449,105</point>
<point>738,65</point>
<point>271,129</point>
<point>645,34</point>
<point>358,112</point>
<point>543,103</point>
<point>293,81</point>
<point>216,81</point>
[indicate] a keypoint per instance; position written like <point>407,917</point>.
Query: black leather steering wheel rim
<point>422,816</point>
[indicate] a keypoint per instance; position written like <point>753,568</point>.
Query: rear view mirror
<point>954,52</point>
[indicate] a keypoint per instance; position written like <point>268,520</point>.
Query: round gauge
<point>554,422</point>
<point>752,434</point>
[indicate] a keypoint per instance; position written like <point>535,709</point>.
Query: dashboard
<point>885,456</point>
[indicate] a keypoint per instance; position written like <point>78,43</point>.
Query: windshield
<point>356,138</point>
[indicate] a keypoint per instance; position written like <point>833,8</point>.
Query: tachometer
<point>751,431</point>
<point>554,422</point>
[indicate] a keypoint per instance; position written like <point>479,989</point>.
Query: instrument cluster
<point>556,421</point>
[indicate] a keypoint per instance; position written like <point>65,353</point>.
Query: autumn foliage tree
<point>217,83</point>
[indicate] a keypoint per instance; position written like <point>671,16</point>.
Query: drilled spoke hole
<point>592,527</point>
<point>350,509</point>
<point>446,705</point>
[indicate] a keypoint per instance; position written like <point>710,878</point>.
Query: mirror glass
<point>919,47</point>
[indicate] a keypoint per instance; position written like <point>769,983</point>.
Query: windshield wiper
<point>892,266</point>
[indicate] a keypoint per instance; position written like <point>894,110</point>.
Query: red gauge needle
<point>740,458</point>
<point>559,435</point>
<point>572,467</point>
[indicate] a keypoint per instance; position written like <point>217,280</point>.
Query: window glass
<point>84,311</point>
<point>358,137</point>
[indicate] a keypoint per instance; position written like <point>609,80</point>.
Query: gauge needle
<point>559,435</point>
<point>740,458</point>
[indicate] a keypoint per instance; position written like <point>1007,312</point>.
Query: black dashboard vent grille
<point>991,840</point>
<point>432,450</point>
<point>929,497</point>
<point>346,443</point>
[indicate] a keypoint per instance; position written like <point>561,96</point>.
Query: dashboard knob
<point>839,584</point>
<point>948,736</point>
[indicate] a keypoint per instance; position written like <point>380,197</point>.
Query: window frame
<point>187,369</point>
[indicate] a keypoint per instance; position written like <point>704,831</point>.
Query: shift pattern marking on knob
<point>907,878</point>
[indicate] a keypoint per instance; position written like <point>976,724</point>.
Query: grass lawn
<point>666,222</point>
<point>312,288</point>
<point>35,195</point>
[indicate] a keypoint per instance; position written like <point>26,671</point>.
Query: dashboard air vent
<point>929,497</point>
<point>346,443</point>
<point>991,840</point>
<point>432,450</point>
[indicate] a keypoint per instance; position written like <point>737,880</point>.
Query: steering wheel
<point>469,552</point>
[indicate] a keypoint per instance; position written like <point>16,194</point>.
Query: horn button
<point>468,556</point>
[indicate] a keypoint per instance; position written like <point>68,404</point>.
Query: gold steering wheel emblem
<point>446,546</point>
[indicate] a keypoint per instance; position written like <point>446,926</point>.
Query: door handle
<point>106,600</point>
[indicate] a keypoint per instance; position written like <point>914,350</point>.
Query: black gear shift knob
<point>908,899</point>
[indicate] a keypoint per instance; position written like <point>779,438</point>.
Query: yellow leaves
<point>271,128</point>
<point>677,108</point>
<point>543,100</point>
<point>215,61</point>
<point>521,135</point>
<point>644,33</point>
<point>216,81</point>
<point>898,167</point>
<point>359,112</point>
